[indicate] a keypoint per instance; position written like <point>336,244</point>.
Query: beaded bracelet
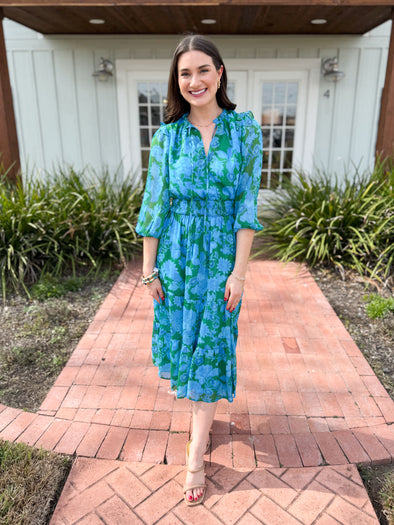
<point>238,277</point>
<point>150,278</point>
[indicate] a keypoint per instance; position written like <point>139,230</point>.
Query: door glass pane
<point>231,91</point>
<point>142,93</point>
<point>278,125</point>
<point>143,115</point>
<point>144,136</point>
<point>152,102</point>
<point>155,115</point>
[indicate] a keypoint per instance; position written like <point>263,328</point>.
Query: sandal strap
<point>186,489</point>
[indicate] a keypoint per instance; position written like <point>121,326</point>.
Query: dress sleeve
<point>156,201</point>
<point>249,179</point>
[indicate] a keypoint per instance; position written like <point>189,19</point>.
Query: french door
<point>283,101</point>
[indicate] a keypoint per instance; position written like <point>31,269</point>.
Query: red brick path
<point>306,397</point>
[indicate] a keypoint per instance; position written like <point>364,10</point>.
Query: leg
<point>203,414</point>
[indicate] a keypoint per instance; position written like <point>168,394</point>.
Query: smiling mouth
<point>198,92</point>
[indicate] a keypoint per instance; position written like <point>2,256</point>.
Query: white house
<point>66,116</point>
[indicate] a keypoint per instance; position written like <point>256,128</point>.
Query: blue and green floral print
<point>195,203</point>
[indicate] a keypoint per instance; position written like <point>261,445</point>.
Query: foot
<point>195,473</point>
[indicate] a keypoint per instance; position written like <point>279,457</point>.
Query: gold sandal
<point>193,502</point>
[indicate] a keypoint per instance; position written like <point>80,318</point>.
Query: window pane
<point>142,93</point>
<point>289,138</point>
<point>155,93</point>
<point>155,115</point>
<point>153,131</point>
<point>268,93</point>
<point>280,93</point>
<point>277,115</point>
<point>266,137</point>
<point>291,115</point>
<point>288,159</point>
<point>144,158</point>
<point>286,176</point>
<point>275,162</point>
<point>292,92</point>
<point>273,116</point>
<point>275,178</point>
<point>276,138</point>
<point>265,159</point>
<point>143,115</point>
<point>144,136</point>
<point>264,180</point>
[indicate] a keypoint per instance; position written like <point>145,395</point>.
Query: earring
<point>219,84</point>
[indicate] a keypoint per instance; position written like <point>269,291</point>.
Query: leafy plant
<point>64,221</point>
<point>379,306</point>
<point>344,224</point>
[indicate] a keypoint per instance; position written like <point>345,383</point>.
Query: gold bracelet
<point>238,277</point>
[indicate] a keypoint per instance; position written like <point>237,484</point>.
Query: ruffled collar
<point>184,119</point>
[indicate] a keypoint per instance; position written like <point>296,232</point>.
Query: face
<point>198,78</point>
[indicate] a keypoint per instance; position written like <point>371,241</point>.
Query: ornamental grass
<point>347,224</point>
<point>65,221</point>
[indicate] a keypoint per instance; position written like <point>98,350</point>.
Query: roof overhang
<point>177,16</point>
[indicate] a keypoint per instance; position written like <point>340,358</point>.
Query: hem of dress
<point>174,390</point>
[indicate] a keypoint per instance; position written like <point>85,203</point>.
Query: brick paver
<point>234,496</point>
<point>306,397</point>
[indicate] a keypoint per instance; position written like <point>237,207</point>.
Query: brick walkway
<point>306,397</point>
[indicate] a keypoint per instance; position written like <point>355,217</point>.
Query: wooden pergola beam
<point>385,138</point>
<point>9,149</point>
<point>113,3</point>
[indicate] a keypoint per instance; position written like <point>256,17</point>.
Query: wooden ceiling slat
<point>175,19</point>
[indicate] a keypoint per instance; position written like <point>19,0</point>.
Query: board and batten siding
<point>66,117</point>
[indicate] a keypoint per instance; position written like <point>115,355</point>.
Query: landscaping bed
<point>49,330</point>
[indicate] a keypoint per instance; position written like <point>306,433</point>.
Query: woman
<point>198,219</point>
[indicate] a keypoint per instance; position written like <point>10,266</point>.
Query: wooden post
<point>385,138</point>
<point>9,149</point>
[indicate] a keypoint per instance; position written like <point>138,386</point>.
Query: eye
<point>184,74</point>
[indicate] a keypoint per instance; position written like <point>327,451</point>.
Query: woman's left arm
<point>236,280</point>
<point>246,222</point>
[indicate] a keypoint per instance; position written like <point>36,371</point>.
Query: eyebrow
<point>199,67</point>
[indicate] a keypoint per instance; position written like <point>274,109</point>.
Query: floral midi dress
<point>194,204</point>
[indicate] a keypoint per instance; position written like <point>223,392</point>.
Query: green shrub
<point>347,224</point>
<point>379,306</point>
<point>52,225</point>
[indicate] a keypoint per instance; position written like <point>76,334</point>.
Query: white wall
<point>65,116</point>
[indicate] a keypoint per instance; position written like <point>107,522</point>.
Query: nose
<point>194,80</point>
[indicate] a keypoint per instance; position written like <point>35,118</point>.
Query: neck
<point>204,115</point>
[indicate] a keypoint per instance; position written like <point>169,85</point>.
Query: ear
<point>220,71</point>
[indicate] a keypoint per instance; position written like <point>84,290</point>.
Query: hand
<point>233,292</point>
<point>155,290</point>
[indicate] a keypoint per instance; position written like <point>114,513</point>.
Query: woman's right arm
<point>149,255</point>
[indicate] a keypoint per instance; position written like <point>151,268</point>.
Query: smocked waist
<point>207,207</point>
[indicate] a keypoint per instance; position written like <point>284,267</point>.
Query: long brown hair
<point>177,105</point>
